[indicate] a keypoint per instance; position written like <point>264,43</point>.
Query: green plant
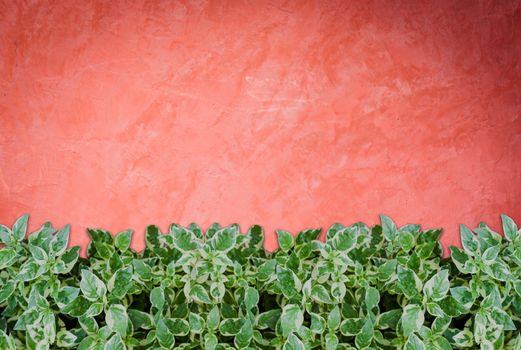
<point>359,288</point>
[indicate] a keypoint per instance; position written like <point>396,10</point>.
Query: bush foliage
<point>360,287</point>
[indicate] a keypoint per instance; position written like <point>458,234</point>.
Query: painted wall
<point>290,114</point>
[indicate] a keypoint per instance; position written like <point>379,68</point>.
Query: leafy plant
<point>381,287</point>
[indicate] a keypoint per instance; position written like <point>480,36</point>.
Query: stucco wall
<point>285,113</point>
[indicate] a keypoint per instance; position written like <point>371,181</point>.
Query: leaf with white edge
<point>509,228</point>
<point>20,228</point>
<point>251,298</point>
<point>463,339</point>
<point>388,228</point>
<point>344,240</point>
<point>182,238</point>
<point>120,282</point>
<point>7,290</point>
<point>196,323</point>
<point>291,319</point>
<point>245,335</point>
<point>293,343</point>
<point>414,343</point>
<point>140,319</point>
<point>320,294</point>
<point>199,294</point>
<point>117,319</point>
<point>409,282</point>
<point>157,298</point>
<point>364,338</point>
<point>412,319</point>
<point>65,339</point>
<point>115,343</point>
<point>7,256</point>
<point>469,241</point>
<point>288,282</point>
<point>224,239</point>
<point>60,240</point>
<point>39,255</point>
<point>123,239</point>
<point>285,239</point>
<point>231,326</point>
<point>437,286</point>
<point>178,326</point>
<point>318,323</point>
<point>372,297</point>
<point>5,234</point>
<point>213,318</point>
<point>333,319</point>
<point>92,286</point>
<point>164,336</point>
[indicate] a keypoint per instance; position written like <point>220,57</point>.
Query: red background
<point>290,114</point>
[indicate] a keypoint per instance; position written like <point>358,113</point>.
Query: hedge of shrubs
<point>360,287</point>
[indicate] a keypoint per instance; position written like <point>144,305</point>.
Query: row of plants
<point>360,287</point>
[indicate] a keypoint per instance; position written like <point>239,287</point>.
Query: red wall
<point>285,113</point>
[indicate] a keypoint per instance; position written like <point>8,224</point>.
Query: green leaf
<point>120,282</point>
<point>164,336</point>
<point>117,319</point>
<point>409,282</point>
<point>320,294</point>
<point>251,298</point>
<point>39,255</point>
<point>91,286</point>
<point>318,323</point>
<point>364,338</point>
<point>388,228</point>
<point>7,256</point>
<point>509,228</point>
<point>437,286</point>
<point>469,241</point>
<point>414,343</point>
<point>213,318</point>
<point>77,307</point>
<point>333,319</point>
<point>231,326</point>
<point>196,323</point>
<point>5,234</point>
<point>344,240</point>
<point>412,319</point>
<point>140,319</point>
<point>372,297</point>
<point>178,326</point>
<point>224,239</point>
<point>245,335</point>
<point>60,240</point>
<point>115,343</point>
<point>288,282</point>
<point>182,238</point>
<point>199,294</point>
<point>293,343</point>
<point>123,240</point>
<point>157,298</point>
<point>406,240</point>
<point>291,319</point>
<point>20,228</point>
<point>285,239</point>
<point>306,236</point>
<point>7,290</point>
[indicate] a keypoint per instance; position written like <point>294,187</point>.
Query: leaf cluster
<point>354,287</point>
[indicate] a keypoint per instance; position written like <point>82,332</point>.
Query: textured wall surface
<point>290,114</point>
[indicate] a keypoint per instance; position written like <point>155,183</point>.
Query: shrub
<point>359,288</point>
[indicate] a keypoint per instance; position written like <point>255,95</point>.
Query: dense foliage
<point>366,288</point>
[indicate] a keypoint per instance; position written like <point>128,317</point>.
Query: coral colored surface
<point>290,114</point>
